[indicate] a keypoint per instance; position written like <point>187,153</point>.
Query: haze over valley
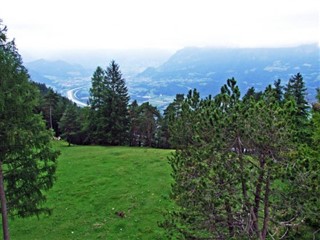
<point>157,76</point>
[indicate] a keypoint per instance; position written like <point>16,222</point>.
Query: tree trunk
<point>243,180</point>
<point>229,218</point>
<point>258,198</point>
<point>5,225</point>
<point>50,116</point>
<point>266,207</point>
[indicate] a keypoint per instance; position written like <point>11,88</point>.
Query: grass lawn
<point>93,183</point>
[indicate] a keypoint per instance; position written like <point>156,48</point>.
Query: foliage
<point>109,98</point>
<point>70,125</point>
<point>27,162</point>
<point>144,124</point>
<point>239,171</point>
<point>52,106</point>
<point>296,91</point>
<point>171,113</point>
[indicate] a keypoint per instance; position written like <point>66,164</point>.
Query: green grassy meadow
<point>93,183</point>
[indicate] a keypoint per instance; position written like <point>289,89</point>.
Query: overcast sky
<point>50,25</point>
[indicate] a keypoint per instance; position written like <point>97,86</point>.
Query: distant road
<point>71,95</point>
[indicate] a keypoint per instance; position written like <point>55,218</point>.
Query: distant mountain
<point>59,75</point>
<point>208,68</point>
<point>131,61</point>
<point>37,77</point>
<point>203,68</point>
<point>63,75</point>
<point>57,68</point>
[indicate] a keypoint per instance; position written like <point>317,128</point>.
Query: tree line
<point>245,167</point>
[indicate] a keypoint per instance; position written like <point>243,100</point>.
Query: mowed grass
<point>93,183</point>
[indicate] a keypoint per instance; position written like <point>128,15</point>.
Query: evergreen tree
<point>296,88</point>
<point>27,162</point>
<point>240,175</point>
<point>148,124</point>
<point>50,102</point>
<point>278,90</point>
<point>109,103</point>
<point>171,114</point>
<point>181,118</point>
<point>97,91</point>
<point>296,91</point>
<point>96,119</point>
<point>69,124</point>
<point>134,133</point>
<point>117,105</point>
<point>144,124</point>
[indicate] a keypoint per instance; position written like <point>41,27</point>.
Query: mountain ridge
<point>208,68</point>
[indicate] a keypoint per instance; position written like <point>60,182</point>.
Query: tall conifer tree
<point>27,162</point>
<point>296,90</point>
<point>117,105</point>
<point>109,103</point>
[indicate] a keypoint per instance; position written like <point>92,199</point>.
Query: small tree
<point>134,133</point>
<point>296,91</point>
<point>69,124</point>
<point>50,102</point>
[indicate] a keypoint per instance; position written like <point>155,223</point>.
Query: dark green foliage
<point>50,103</point>
<point>144,124</point>
<point>117,105</point>
<point>52,107</point>
<point>70,125</point>
<point>27,162</point>
<point>134,124</point>
<point>109,98</point>
<point>181,120</point>
<point>238,170</point>
<point>171,113</point>
<point>278,88</point>
<point>296,91</point>
<point>54,101</point>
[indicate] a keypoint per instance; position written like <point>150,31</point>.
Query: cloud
<point>98,24</point>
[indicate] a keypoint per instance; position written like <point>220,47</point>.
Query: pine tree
<point>240,175</point>
<point>170,114</point>
<point>148,124</point>
<point>27,162</point>
<point>50,102</point>
<point>117,105</point>
<point>296,91</point>
<point>109,103</point>
<point>134,132</point>
<point>278,90</point>
<point>97,124</point>
<point>69,124</point>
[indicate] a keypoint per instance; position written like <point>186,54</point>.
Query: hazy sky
<point>42,25</point>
